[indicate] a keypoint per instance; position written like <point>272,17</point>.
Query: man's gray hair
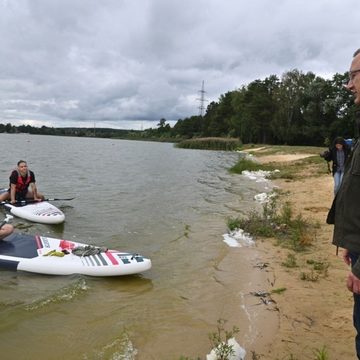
<point>356,52</point>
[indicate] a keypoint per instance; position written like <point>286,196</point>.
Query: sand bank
<point>312,314</point>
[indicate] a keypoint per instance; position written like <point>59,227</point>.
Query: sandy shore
<point>312,314</point>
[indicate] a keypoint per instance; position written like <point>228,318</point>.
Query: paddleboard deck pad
<point>45,255</point>
<point>41,212</point>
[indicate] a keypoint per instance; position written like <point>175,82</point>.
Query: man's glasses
<point>352,74</point>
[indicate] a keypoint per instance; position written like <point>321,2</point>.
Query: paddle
<point>6,220</point>
<point>31,201</point>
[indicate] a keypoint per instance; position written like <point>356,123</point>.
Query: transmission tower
<point>202,100</point>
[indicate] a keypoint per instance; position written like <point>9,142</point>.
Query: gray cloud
<point>124,63</point>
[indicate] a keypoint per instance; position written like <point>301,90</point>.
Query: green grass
<point>290,261</point>
<point>314,165</point>
<point>309,276</point>
<point>211,143</point>
<point>278,291</point>
<point>321,354</point>
<point>249,165</point>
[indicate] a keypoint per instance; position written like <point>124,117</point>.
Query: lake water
<point>168,204</point>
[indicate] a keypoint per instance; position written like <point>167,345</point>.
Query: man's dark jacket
<point>345,210</point>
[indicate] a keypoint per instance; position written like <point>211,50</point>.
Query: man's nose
<point>348,85</point>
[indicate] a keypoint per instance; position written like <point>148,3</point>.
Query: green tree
<point>218,116</point>
<point>288,97</point>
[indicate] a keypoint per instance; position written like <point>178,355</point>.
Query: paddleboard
<point>40,212</point>
<point>45,255</point>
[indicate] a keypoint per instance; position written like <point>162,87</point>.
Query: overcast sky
<point>129,63</point>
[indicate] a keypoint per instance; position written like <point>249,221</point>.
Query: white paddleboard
<point>44,255</point>
<point>40,212</point>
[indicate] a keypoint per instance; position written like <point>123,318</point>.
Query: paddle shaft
<point>31,201</point>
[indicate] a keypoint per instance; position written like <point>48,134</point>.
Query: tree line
<point>296,109</point>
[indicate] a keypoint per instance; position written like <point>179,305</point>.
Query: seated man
<point>22,185</point>
<point>6,230</point>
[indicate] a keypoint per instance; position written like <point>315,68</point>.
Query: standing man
<point>22,185</point>
<point>345,210</point>
<point>338,154</point>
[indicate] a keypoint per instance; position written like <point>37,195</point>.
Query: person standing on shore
<point>345,210</point>
<point>337,154</point>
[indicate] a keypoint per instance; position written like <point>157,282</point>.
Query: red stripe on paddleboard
<point>112,258</point>
<point>38,242</point>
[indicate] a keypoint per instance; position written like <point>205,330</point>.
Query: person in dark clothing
<point>345,210</point>
<point>337,154</point>
<point>22,185</point>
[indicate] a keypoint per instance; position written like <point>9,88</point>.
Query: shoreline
<point>312,315</point>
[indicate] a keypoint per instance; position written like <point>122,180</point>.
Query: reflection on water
<point>165,203</point>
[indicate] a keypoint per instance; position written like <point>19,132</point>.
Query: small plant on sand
<point>219,340</point>
<point>290,261</point>
<point>321,354</point>
<point>320,266</point>
<point>278,290</point>
<point>309,276</point>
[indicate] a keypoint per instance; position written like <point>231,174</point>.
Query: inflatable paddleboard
<point>40,212</point>
<point>45,255</point>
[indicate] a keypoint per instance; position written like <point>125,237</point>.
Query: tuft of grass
<point>309,276</point>
<point>254,224</point>
<point>290,261</point>
<point>321,354</point>
<point>249,165</point>
<point>278,291</point>
<point>319,266</point>
<point>219,340</point>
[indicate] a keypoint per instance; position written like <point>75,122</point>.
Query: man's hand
<point>353,283</point>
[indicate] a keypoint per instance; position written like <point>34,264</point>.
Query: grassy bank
<point>211,143</point>
<point>312,165</point>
